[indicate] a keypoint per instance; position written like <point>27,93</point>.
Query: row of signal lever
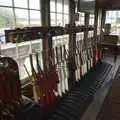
<point>48,83</point>
<point>54,79</point>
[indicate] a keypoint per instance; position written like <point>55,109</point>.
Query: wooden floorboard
<point>94,109</point>
<point>111,106</point>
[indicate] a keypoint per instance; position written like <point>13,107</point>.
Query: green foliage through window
<point>6,18</point>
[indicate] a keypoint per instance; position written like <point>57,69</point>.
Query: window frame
<point>56,13</point>
<point>22,8</point>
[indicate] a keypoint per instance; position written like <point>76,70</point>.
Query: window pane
<point>21,17</point>
<point>90,34</point>
<point>66,6</point>
<point>81,19</point>
<point>59,20</point>
<point>113,17</point>
<point>6,18</point>
<point>59,5</point>
<point>34,4</point>
<point>66,19</point>
<point>91,20</point>
<point>6,21</point>
<point>35,18</point>
<point>59,41</point>
<point>79,36</point>
<point>21,3</point>
<point>6,2</point>
<point>99,24</point>
<point>53,20</point>
<point>52,6</point>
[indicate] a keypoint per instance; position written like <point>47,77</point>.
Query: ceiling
<point>89,5</point>
<point>86,6</point>
<point>109,4</point>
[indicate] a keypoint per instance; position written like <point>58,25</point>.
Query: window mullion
<point>40,11</point>
<point>63,12</point>
<point>28,12</point>
<point>13,4</point>
<point>55,12</point>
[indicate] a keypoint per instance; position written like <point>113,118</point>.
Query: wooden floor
<point>101,100</point>
<point>111,107</point>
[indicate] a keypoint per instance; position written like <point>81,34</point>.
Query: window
<point>6,18</point>
<point>99,23</point>
<point>22,13</point>
<point>90,34</point>
<point>21,17</point>
<point>59,6</point>
<point>35,19</point>
<point>35,4</point>
<point>66,6</point>
<point>113,17</point>
<point>53,19</point>
<point>6,2</point>
<point>91,19</point>
<point>6,21</point>
<point>66,19</point>
<point>81,20</point>
<point>52,6</point>
<point>59,19</point>
<point>79,36</point>
<point>59,12</point>
<point>21,3</point>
